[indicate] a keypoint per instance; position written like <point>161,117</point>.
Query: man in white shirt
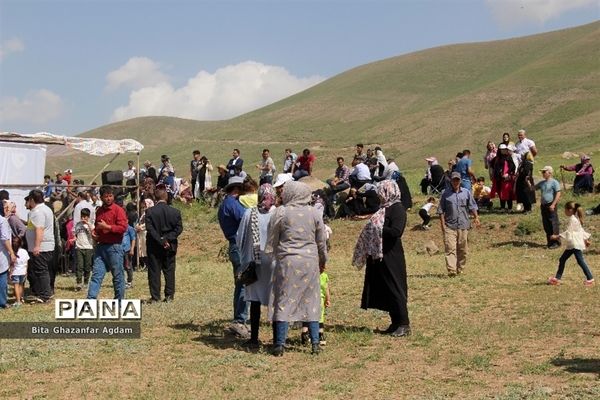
<point>266,168</point>
<point>360,174</point>
<point>40,243</point>
<point>81,203</point>
<point>525,145</point>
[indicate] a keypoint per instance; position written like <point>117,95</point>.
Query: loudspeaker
<point>112,178</point>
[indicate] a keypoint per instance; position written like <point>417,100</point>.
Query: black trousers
<point>39,274</point>
<point>424,216</point>
<point>550,222</point>
<point>194,187</point>
<point>161,260</point>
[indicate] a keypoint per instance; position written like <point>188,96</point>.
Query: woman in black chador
<point>379,246</point>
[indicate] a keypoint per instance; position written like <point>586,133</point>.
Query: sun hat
<point>547,168</point>
<point>282,179</point>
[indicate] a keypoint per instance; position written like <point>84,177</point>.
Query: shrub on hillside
<point>527,227</point>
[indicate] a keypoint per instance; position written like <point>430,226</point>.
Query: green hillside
<point>435,101</point>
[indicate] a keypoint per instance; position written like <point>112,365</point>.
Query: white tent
<point>23,159</point>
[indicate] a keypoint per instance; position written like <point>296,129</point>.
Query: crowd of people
<point>277,228</point>
<point>87,231</point>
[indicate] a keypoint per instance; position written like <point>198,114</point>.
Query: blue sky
<point>71,66</point>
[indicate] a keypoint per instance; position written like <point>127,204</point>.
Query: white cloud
<point>136,73</point>
<point>36,107</point>
<point>13,45</point>
<point>515,12</point>
<point>230,91</point>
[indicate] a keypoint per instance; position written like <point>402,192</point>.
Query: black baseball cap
<point>35,195</point>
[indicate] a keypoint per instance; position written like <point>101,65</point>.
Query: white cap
<point>281,179</point>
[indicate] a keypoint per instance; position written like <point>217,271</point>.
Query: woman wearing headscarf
<point>17,226</point>
<point>297,242</point>
<point>381,161</point>
<point>379,246</point>
<point>140,228</point>
<point>488,159</point>
<point>251,239</point>
<point>524,185</point>
<point>503,178</point>
<point>584,175</point>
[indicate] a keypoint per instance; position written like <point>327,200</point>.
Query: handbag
<point>248,276</point>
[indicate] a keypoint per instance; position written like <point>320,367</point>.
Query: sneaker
<point>128,285</point>
<point>38,300</point>
<point>278,351</point>
<point>240,330</point>
<point>251,344</point>
<point>553,281</point>
<point>17,304</point>
<point>402,331</point>
<point>553,246</point>
<point>589,282</point>
<point>425,227</point>
<point>316,349</point>
<point>78,287</point>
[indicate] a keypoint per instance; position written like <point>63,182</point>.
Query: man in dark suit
<point>163,226</point>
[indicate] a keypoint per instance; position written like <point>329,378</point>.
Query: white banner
<point>21,164</point>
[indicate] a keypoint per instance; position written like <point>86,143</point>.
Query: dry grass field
<point>498,332</point>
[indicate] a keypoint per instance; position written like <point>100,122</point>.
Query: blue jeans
<point>300,173</point>
<point>3,289</point>
<point>465,183</point>
<point>240,306</point>
<point>579,257</point>
<point>108,257</point>
<point>281,331</point>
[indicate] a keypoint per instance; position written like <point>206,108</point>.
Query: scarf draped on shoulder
<point>370,240</point>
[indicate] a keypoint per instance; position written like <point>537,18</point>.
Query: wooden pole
<point>93,179</point>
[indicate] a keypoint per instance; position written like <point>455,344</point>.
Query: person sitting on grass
<point>303,165</point>
<point>360,174</point>
<point>577,240</point>
<point>584,175</point>
<point>424,212</point>
<point>482,193</point>
<point>340,181</point>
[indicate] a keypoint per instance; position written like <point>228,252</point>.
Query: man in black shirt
<point>194,166</point>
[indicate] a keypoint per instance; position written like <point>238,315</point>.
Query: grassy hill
<point>435,101</point>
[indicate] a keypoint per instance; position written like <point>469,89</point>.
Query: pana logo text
<point>97,309</point>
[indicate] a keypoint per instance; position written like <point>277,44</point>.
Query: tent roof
<point>96,147</point>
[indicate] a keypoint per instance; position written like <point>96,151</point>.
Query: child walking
<point>576,240</point>
<point>18,271</point>
<point>424,212</point>
<point>84,248</point>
